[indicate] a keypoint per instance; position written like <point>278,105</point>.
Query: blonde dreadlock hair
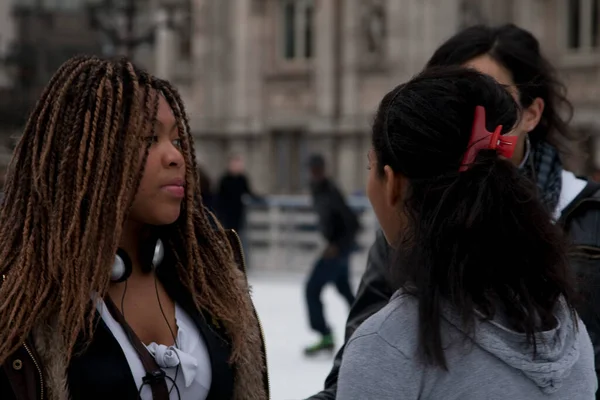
<point>72,179</point>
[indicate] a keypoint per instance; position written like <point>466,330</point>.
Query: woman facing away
<point>512,55</point>
<point>484,301</point>
<point>116,285</point>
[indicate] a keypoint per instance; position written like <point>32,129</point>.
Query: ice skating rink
<point>279,300</point>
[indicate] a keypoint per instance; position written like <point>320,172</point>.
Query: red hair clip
<point>482,139</point>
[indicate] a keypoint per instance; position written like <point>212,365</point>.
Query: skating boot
<point>325,345</point>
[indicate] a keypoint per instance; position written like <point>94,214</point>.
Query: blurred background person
<point>338,225</point>
<point>231,198</point>
<point>206,189</point>
<point>231,194</point>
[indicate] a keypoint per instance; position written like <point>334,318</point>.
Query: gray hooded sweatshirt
<point>381,360</point>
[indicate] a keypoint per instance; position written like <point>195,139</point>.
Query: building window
<point>289,29</point>
<point>186,32</point>
<point>291,153</point>
<point>583,32</point>
<point>308,31</point>
<point>574,24</point>
<point>595,21</point>
<point>297,17</point>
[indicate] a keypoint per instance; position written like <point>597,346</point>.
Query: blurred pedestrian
<point>339,226</point>
<point>233,193</point>
<point>206,190</point>
<point>234,186</point>
<point>114,284</point>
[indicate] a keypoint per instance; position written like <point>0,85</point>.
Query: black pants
<point>327,270</point>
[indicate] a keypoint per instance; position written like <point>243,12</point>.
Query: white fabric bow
<point>171,357</point>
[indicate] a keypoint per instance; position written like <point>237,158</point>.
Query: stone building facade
<point>36,37</point>
<point>276,80</point>
<point>569,33</point>
<point>7,37</point>
<point>573,42</point>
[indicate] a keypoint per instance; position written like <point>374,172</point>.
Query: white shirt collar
<point>527,152</point>
<point>571,187</point>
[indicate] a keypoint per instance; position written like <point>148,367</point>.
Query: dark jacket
<point>206,189</point>
<point>337,222</point>
<point>102,371</point>
<point>229,204</point>
<point>580,220</point>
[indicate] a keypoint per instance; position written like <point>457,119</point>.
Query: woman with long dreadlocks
<point>116,285</point>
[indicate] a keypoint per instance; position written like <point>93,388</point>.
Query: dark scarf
<point>544,167</point>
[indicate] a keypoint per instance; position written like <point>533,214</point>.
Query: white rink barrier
<point>282,234</point>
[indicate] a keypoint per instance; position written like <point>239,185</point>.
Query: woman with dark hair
<point>484,300</point>
<point>115,283</point>
<point>513,57</point>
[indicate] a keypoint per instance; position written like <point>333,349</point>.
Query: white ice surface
<point>281,306</point>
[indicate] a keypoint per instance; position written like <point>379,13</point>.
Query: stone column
<point>218,64</point>
<point>348,161</point>
<point>398,39</point>
<point>255,54</point>
<point>438,21</point>
<point>585,32</point>
<point>263,163</point>
<point>200,76</point>
<point>166,45</point>
<point>324,61</point>
<point>350,102</point>
<point>241,42</point>
<point>530,14</point>
<point>350,61</point>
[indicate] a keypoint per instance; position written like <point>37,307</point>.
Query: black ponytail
<point>478,240</point>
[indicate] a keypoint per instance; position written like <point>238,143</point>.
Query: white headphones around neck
<point>122,266</point>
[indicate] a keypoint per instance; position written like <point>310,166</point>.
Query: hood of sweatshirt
<point>556,353</point>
